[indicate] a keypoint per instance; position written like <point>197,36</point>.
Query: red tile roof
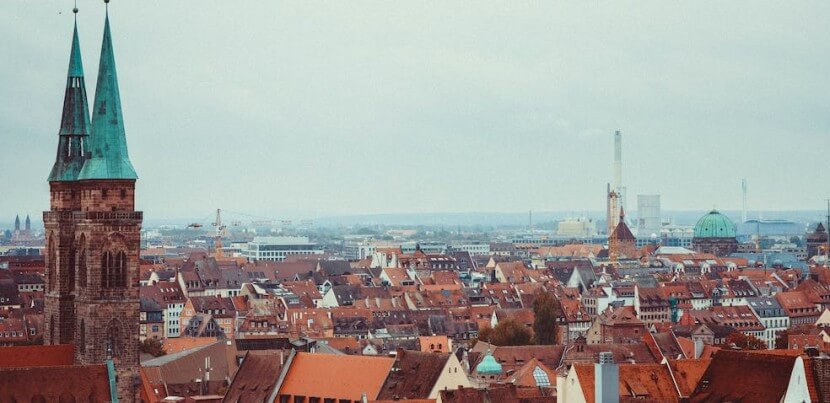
<point>745,377</point>
<point>652,382</point>
<point>37,356</point>
<point>335,376</point>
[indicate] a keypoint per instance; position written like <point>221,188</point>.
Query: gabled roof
<point>256,377</point>
<point>413,376</point>
<point>622,232</point>
<point>745,377</point>
<point>531,375</point>
<point>652,382</point>
<point>335,376</point>
<point>688,372</point>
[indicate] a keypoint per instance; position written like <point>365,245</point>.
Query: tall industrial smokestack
<point>617,161</point>
<point>743,209</point>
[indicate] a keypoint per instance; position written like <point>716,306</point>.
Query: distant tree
<point>547,309</point>
<point>797,241</point>
<point>745,342</point>
<point>507,333</point>
<point>366,231</point>
<point>153,347</point>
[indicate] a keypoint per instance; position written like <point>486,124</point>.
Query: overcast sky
<point>320,108</point>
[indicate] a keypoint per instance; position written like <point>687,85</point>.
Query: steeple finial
<point>108,143</point>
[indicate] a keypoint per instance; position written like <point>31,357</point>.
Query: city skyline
<point>356,110</point>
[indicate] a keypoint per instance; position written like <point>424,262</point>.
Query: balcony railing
<point>93,215</point>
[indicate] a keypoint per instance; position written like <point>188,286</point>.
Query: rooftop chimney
<point>606,379</point>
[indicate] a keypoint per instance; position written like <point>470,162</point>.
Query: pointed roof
<point>76,66</point>
<point>108,143</point>
<point>74,120</point>
<point>17,222</point>
<point>621,232</point>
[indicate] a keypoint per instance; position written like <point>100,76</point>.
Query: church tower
<point>93,230</point>
<point>59,222</point>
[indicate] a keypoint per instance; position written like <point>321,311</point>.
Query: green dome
<point>714,225</point>
<point>488,366</point>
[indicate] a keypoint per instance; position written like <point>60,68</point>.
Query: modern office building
<point>473,248</point>
<point>648,215</point>
<point>277,248</point>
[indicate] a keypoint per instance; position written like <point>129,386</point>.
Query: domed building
<point>715,233</point>
<point>488,368</point>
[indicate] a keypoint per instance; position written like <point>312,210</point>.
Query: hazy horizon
<point>396,108</point>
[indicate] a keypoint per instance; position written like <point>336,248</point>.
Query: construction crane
<point>220,232</point>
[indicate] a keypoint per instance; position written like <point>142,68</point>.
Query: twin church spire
<point>96,149</point>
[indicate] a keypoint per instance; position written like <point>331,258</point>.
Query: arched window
<point>38,399</point>
<point>106,267</point>
<point>121,269</point>
<point>82,268</point>
<point>52,330</point>
<point>71,269</point>
<point>53,264</point>
<point>114,269</point>
<point>113,344</point>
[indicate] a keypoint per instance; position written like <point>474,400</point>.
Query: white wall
<point>797,391</point>
<point>451,378</point>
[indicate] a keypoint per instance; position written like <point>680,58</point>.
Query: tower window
<point>104,193</point>
<point>114,271</point>
<point>71,269</point>
<point>123,194</point>
<point>113,343</point>
<point>82,269</point>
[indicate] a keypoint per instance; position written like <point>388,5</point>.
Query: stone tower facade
<point>93,230</point>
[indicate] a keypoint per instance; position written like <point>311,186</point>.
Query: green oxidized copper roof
<point>488,366</point>
<point>714,225</point>
<point>108,142</point>
<point>74,120</point>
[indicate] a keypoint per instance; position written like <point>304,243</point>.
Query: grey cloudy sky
<point>338,107</point>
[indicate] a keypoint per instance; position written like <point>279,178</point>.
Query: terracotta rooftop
<point>312,375</point>
<point>413,375</point>
<point>256,377</point>
<point>745,377</point>
<point>688,373</point>
<point>650,382</point>
<point>65,383</point>
<point>37,356</point>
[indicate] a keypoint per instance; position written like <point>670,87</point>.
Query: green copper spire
<point>74,120</point>
<point>108,142</point>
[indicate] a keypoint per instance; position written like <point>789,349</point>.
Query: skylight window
<point>541,377</point>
